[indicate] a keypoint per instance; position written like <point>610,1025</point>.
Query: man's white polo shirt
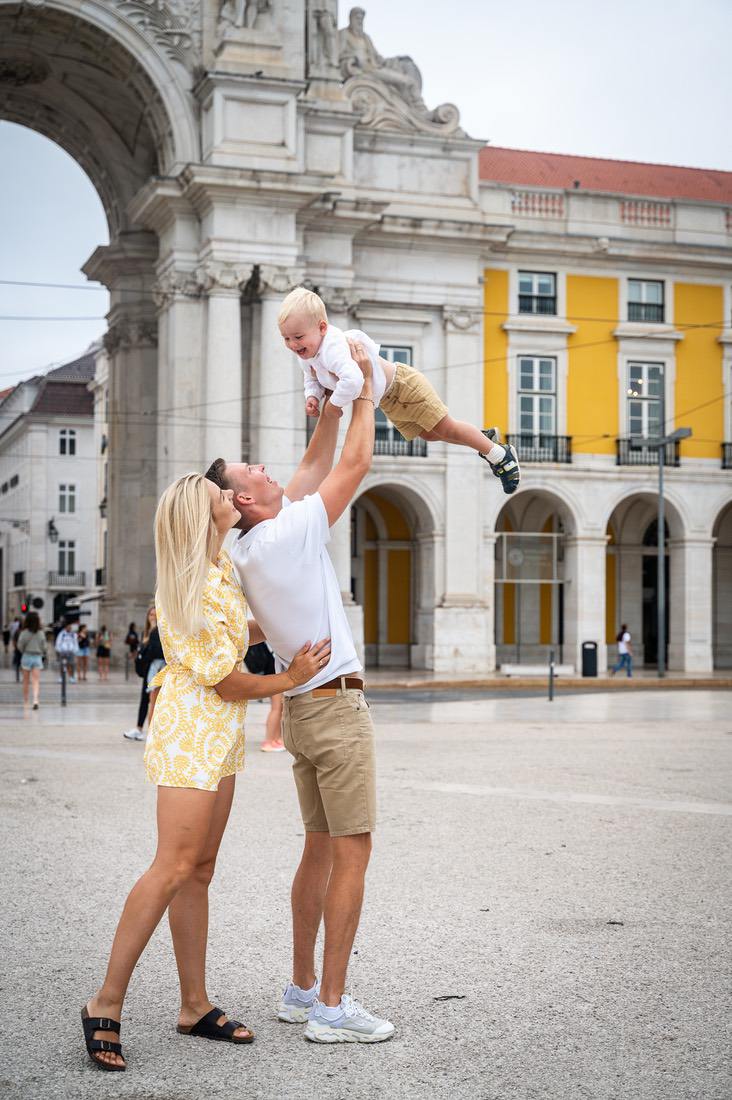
<point>291,586</point>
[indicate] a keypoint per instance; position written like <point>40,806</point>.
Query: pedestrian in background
<point>6,640</point>
<point>14,634</point>
<point>156,657</point>
<point>104,651</point>
<point>142,667</point>
<point>260,661</point>
<point>82,641</point>
<point>31,645</point>
<point>67,651</point>
<point>132,641</point>
<point>625,651</point>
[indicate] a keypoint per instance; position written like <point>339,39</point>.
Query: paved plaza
<point>547,911</point>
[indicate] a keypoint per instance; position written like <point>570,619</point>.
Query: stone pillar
<point>490,594</point>
<point>127,268</point>
<point>690,604</point>
<point>181,392</point>
<point>629,598</point>
<point>222,410</point>
<point>461,620</point>
<point>584,605</point>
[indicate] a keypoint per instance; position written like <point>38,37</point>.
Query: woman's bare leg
<point>188,917</point>
<point>273,723</point>
<point>26,685</point>
<point>184,820</point>
<point>35,683</point>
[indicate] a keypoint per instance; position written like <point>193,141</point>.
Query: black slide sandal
<point>208,1028</point>
<point>101,1023</point>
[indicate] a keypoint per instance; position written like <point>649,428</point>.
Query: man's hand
<point>312,407</point>
<point>361,358</point>
<point>332,412</point>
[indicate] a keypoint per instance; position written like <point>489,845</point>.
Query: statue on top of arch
<point>242,15</point>
<point>387,92</point>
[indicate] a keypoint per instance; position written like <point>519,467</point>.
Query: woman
<point>82,641</point>
<point>625,651</point>
<point>194,749</point>
<point>104,649</point>
<point>132,641</point>
<point>31,643</point>
<point>142,668</point>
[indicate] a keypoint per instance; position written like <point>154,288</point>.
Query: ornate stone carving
<point>215,276</point>
<point>239,16</point>
<point>130,332</point>
<point>387,92</point>
<point>172,24</point>
<point>461,319</point>
<point>276,280</point>
<point>176,284</point>
<point>338,299</point>
<point>323,55</point>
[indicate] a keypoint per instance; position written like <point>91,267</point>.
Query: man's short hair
<point>217,473</point>
<point>301,300</point>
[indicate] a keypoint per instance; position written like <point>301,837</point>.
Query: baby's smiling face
<point>303,335</point>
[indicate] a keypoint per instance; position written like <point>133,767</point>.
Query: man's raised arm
<point>339,487</point>
<point>317,461</point>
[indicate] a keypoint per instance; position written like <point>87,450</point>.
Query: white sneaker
<point>133,734</point>
<point>353,1025</point>
<point>140,736</point>
<point>296,1004</point>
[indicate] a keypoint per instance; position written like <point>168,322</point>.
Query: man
<point>293,591</point>
<point>67,651</point>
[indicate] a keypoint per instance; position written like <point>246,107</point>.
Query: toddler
<point>404,394</point>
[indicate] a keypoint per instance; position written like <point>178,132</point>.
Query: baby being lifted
<point>404,394</point>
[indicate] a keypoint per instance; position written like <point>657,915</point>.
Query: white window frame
<point>67,442</point>
<point>67,556</point>
<point>536,394</point>
<point>645,401</point>
<point>535,276</point>
<point>645,282</point>
<point>67,498</point>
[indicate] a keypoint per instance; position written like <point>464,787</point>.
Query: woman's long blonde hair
<point>185,539</point>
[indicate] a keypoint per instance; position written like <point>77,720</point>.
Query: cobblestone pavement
<point>547,910</point>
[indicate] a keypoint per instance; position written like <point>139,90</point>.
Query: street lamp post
<point>660,443</point>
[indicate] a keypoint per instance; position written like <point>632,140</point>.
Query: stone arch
<point>722,587</point>
<point>676,511</point>
<point>393,568</point>
<point>107,95</point>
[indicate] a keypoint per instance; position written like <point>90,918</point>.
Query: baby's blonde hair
<point>185,538</point>
<point>301,300</point>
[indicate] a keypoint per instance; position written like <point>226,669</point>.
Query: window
<point>645,394</point>
<point>19,580</point>
<point>67,441</point>
<point>537,292</point>
<point>537,396</point>
<point>66,557</point>
<point>13,481</point>
<point>67,498</point>
<point>645,300</point>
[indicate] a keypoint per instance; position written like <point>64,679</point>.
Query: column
<point>222,410</point>
<point>690,604</point>
<point>127,268</point>
<point>461,621</point>
<point>629,597</point>
<point>584,602</point>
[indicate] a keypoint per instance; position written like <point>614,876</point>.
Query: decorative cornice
<point>217,277</point>
<point>130,332</point>
<point>461,319</point>
<point>630,330</point>
<point>175,285</point>
<point>277,280</point>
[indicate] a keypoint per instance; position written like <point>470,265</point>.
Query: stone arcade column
<point>629,598</point>
<point>584,606</point>
<point>222,411</point>
<point>127,268</point>
<point>690,604</point>
<point>462,619</point>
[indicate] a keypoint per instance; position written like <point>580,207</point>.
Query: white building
<point>48,491</point>
<point>239,149</point>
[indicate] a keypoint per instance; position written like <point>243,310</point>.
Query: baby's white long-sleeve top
<point>335,370</point>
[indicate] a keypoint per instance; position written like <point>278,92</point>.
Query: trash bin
<point>589,658</point>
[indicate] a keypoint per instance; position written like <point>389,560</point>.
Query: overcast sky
<point>630,79</point>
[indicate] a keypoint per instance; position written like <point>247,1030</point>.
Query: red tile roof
<point>624,177</point>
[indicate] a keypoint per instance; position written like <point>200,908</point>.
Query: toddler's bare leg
<point>449,430</point>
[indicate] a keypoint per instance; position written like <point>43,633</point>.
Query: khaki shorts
<point>411,403</point>
<point>332,741</point>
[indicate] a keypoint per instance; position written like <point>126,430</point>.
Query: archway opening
<point>531,613</point>
<point>722,589</point>
<point>632,580</point>
<point>392,540</point>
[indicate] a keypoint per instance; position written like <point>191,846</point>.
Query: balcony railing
<point>100,577</point>
<point>537,303</point>
<point>66,580</point>
<point>542,448</point>
<point>629,455</point>
<point>645,311</point>
<point>727,456</point>
<point>388,443</point>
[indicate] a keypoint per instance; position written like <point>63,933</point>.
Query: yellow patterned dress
<point>196,738</point>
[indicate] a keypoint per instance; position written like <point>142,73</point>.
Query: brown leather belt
<point>334,686</point>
